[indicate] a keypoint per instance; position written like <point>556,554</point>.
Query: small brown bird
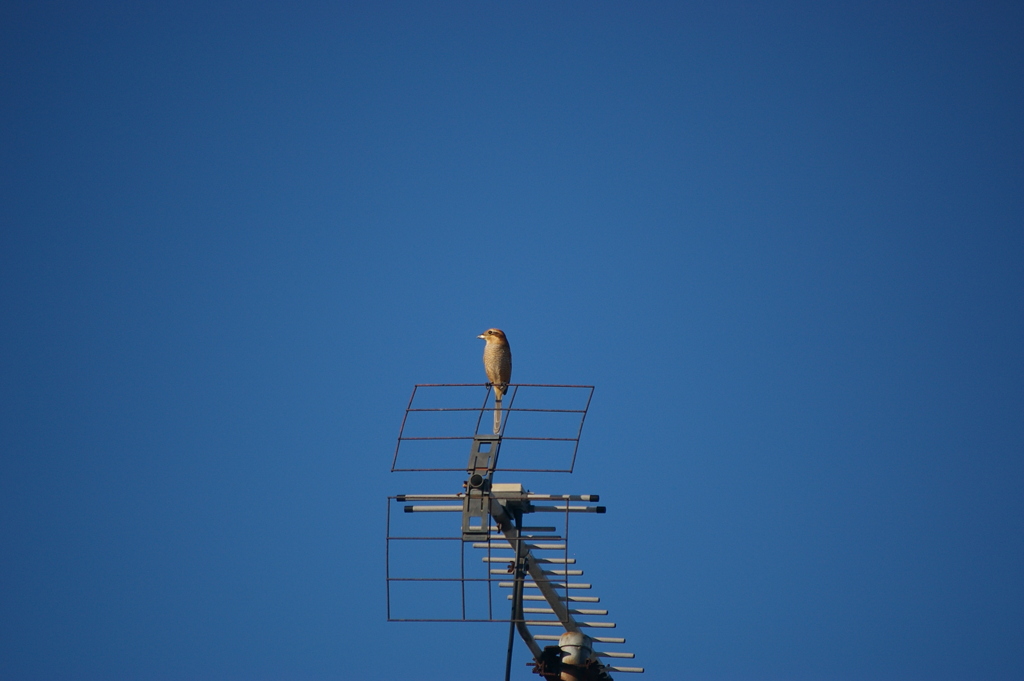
<point>498,365</point>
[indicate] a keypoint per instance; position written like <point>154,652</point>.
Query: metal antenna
<point>542,436</point>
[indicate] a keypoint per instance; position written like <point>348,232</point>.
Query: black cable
<point>517,594</point>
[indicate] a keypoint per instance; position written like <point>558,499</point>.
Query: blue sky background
<point>784,242</point>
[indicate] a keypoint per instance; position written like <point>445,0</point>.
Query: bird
<point>498,365</point>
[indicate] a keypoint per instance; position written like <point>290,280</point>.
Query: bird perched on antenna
<point>498,365</point>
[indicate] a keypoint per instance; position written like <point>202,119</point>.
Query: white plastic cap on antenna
<point>576,648</point>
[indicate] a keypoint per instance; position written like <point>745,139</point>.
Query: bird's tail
<point>497,411</point>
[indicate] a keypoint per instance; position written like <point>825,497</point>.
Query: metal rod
<point>556,623</point>
<point>480,416</point>
<point>468,437</point>
<point>462,469</point>
<point>462,575</point>
<point>504,546</point>
<point>559,585</point>
<point>574,599</point>
<point>485,385</point>
<point>428,497</point>
<point>543,411</point>
<point>505,559</point>
<point>565,553</point>
<point>563,507</point>
<point>426,509</point>
<point>439,579</point>
<point>490,590</point>
<point>449,619</point>
<point>387,559</point>
<point>498,535</point>
<point>549,611</point>
<point>599,639</point>
<point>564,497</point>
<point>579,433</point>
<point>402,428</point>
<point>558,573</point>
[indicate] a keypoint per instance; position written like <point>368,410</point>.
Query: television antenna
<point>431,577</point>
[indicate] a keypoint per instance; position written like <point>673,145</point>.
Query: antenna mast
<point>532,562</point>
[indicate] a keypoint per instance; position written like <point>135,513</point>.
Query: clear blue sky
<point>784,241</point>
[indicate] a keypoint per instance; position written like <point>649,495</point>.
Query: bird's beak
<point>481,336</point>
